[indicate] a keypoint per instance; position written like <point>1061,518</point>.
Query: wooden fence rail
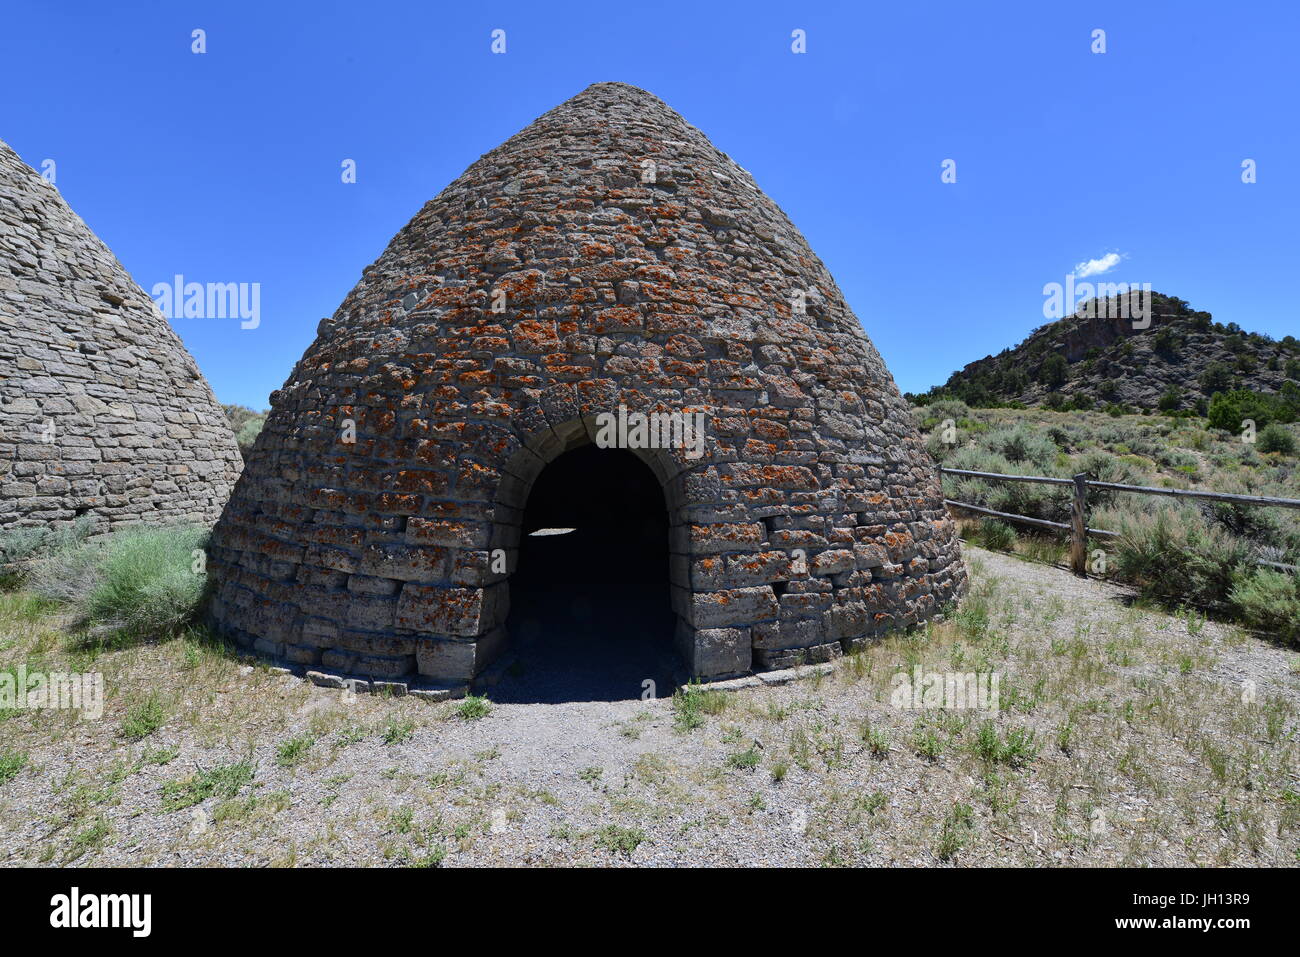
<point>1043,479</point>
<point>1078,524</point>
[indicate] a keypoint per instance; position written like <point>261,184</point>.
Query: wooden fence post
<point>1079,526</point>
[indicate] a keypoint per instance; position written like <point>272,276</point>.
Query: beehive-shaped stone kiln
<point>102,411</point>
<point>606,260</point>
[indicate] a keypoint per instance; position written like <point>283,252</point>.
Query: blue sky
<point>225,166</point>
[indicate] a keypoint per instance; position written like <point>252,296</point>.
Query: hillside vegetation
<point>246,424</point>
<point>1203,554</point>
<point>1097,359</point>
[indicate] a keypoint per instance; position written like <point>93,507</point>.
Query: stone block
<point>451,660</point>
<point>848,620</point>
<point>732,606</point>
<point>462,612</point>
<point>714,652</point>
<point>405,562</point>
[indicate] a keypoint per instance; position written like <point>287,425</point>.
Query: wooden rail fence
<point>1078,524</point>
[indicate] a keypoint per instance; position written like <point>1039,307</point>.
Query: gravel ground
<point>1124,737</point>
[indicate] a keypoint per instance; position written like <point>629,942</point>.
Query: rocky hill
<point>1102,357</point>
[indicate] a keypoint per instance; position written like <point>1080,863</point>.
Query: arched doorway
<point>590,618</point>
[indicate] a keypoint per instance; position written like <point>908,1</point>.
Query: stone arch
<point>519,474</point>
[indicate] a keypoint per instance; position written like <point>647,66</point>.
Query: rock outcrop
<point>1181,357</point>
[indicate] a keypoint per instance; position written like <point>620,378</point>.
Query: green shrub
<point>1054,371</point>
<point>1269,601</point>
<point>939,449</point>
<point>24,544</point>
<point>248,433</point>
<point>1020,445</point>
<point>19,544</point>
<point>473,707</point>
<point>11,762</point>
<point>223,781</point>
<point>955,831</point>
<point>399,731</point>
<point>997,535</point>
<point>1276,438</point>
<point>1017,749</point>
<point>241,415</point>
<point>1031,499</point>
<point>745,760</point>
<point>1263,526</point>
<point>1217,377</point>
<point>289,753</point>
<point>691,703</point>
<point>619,840</point>
<point>1016,498</point>
<point>1104,467</point>
<point>1228,410</point>
<point>979,459</point>
<point>1174,458</point>
<point>1167,342</point>
<point>142,582</point>
<point>67,575</point>
<point>953,409</point>
<point>143,719</point>
<point>1177,556</point>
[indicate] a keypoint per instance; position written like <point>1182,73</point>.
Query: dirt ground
<point>1122,736</point>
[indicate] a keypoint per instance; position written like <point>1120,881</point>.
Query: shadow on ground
<point>589,646</point>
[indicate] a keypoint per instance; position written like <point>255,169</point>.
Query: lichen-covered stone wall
<point>607,255</point>
<point>102,411</point>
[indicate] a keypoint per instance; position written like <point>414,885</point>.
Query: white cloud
<point>1096,267</point>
